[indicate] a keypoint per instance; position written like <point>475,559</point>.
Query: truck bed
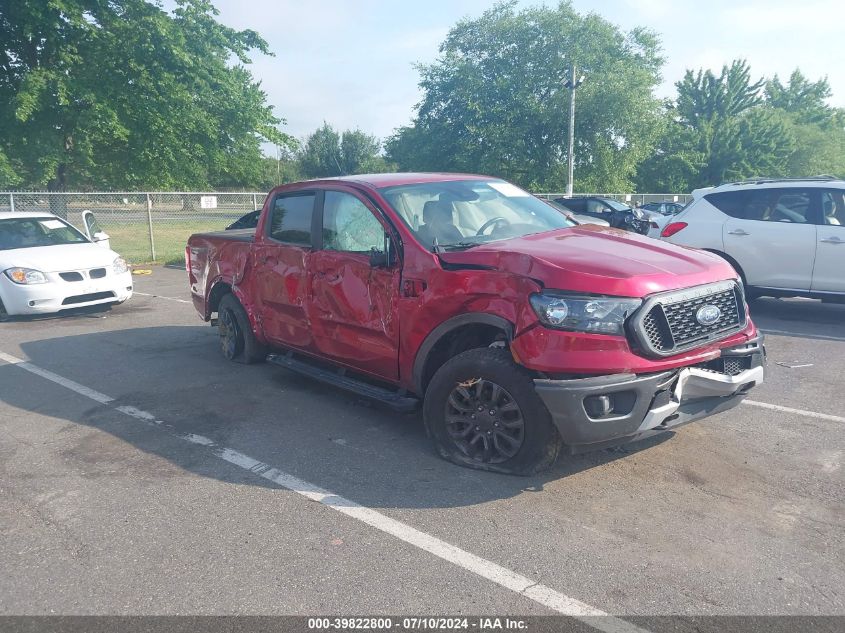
<point>236,235</point>
<point>213,256</point>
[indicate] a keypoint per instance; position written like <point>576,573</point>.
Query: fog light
<point>598,406</point>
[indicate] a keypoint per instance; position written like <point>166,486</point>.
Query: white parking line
<point>809,414</point>
<point>146,294</point>
<point>482,567</point>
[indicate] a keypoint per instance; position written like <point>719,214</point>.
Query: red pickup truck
<point>520,332</point>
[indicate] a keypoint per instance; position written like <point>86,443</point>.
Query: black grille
<point>684,326</point>
<point>670,323</point>
<point>94,296</point>
<point>657,330</point>
<point>730,365</point>
<point>72,276</point>
<point>97,273</point>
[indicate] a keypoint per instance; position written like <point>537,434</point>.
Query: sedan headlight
<point>26,276</point>
<point>120,266</point>
<point>597,315</point>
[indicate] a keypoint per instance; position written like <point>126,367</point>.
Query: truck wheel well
<point>220,290</point>
<point>457,341</point>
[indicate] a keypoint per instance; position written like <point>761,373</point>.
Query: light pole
<point>572,84</point>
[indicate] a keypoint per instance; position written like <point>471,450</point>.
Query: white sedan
<point>47,265</point>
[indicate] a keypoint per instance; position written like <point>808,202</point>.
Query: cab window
<point>349,226</point>
<point>290,220</point>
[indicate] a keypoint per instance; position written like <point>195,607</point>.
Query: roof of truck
<point>408,178</point>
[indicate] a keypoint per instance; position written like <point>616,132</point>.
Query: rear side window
<point>765,205</point>
<point>833,208</point>
<point>291,218</point>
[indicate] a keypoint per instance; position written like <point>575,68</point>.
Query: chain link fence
<point>147,227</point>
<point>142,227</point>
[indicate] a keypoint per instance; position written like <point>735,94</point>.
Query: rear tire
<point>482,411</point>
<point>237,341</point>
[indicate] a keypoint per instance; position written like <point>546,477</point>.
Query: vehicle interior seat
<point>438,224</point>
<point>830,213</point>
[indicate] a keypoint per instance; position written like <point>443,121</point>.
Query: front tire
<point>4,316</point>
<point>237,341</point>
<point>482,412</point>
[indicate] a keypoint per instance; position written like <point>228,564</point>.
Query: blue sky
<point>350,62</point>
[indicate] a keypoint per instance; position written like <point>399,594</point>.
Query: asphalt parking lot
<point>141,473</point>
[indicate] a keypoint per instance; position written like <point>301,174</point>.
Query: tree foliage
<point>327,152</point>
<point>122,94</point>
<point>494,101</point>
<point>727,127</point>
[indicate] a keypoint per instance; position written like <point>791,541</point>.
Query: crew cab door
<point>281,255</point>
<point>353,297</point>
<point>771,234</point>
<point>829,268</point>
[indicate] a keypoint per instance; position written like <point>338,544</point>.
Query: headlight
<point>120,266</point>
<point>26,276</point>
<point>598,315</point>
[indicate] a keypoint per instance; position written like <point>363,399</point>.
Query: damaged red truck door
<point>352,300</point>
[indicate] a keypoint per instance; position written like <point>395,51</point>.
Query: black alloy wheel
<point>484,421</point>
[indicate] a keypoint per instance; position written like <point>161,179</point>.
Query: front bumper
<point>603,411</point>
<point>57,294</point>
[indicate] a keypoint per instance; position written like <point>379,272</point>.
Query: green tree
<point>494,100</point>
<point>327,153</point>
<point>805,100</point>
<point>718,129</point>
<point>817,128</point>
<point>124,94</point>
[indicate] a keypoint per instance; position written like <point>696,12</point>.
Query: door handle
<point>832,240</point>
<point>738,232</point>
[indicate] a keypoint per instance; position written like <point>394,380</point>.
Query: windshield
<point>465,213</point>
<point>31,232</point>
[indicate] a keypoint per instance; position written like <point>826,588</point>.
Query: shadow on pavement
<point>323,435</point>
<point>801,318</point>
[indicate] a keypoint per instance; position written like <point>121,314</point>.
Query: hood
<point>51,259</point>
<point>596,260</point>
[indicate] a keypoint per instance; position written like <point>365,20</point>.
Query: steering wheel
<point>491,222</point>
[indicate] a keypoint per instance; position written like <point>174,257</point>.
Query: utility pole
<point>572,84</point>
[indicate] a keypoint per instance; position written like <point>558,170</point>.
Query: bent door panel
<point>353,305</point>
<point>281,264</point>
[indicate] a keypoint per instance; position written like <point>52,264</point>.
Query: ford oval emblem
<point>708,315</point>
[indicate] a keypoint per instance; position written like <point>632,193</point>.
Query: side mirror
<point>100,237</point>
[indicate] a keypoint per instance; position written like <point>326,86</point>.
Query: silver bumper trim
<point>695,383</point>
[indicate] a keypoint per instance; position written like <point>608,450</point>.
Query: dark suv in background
<point>618,214</point>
